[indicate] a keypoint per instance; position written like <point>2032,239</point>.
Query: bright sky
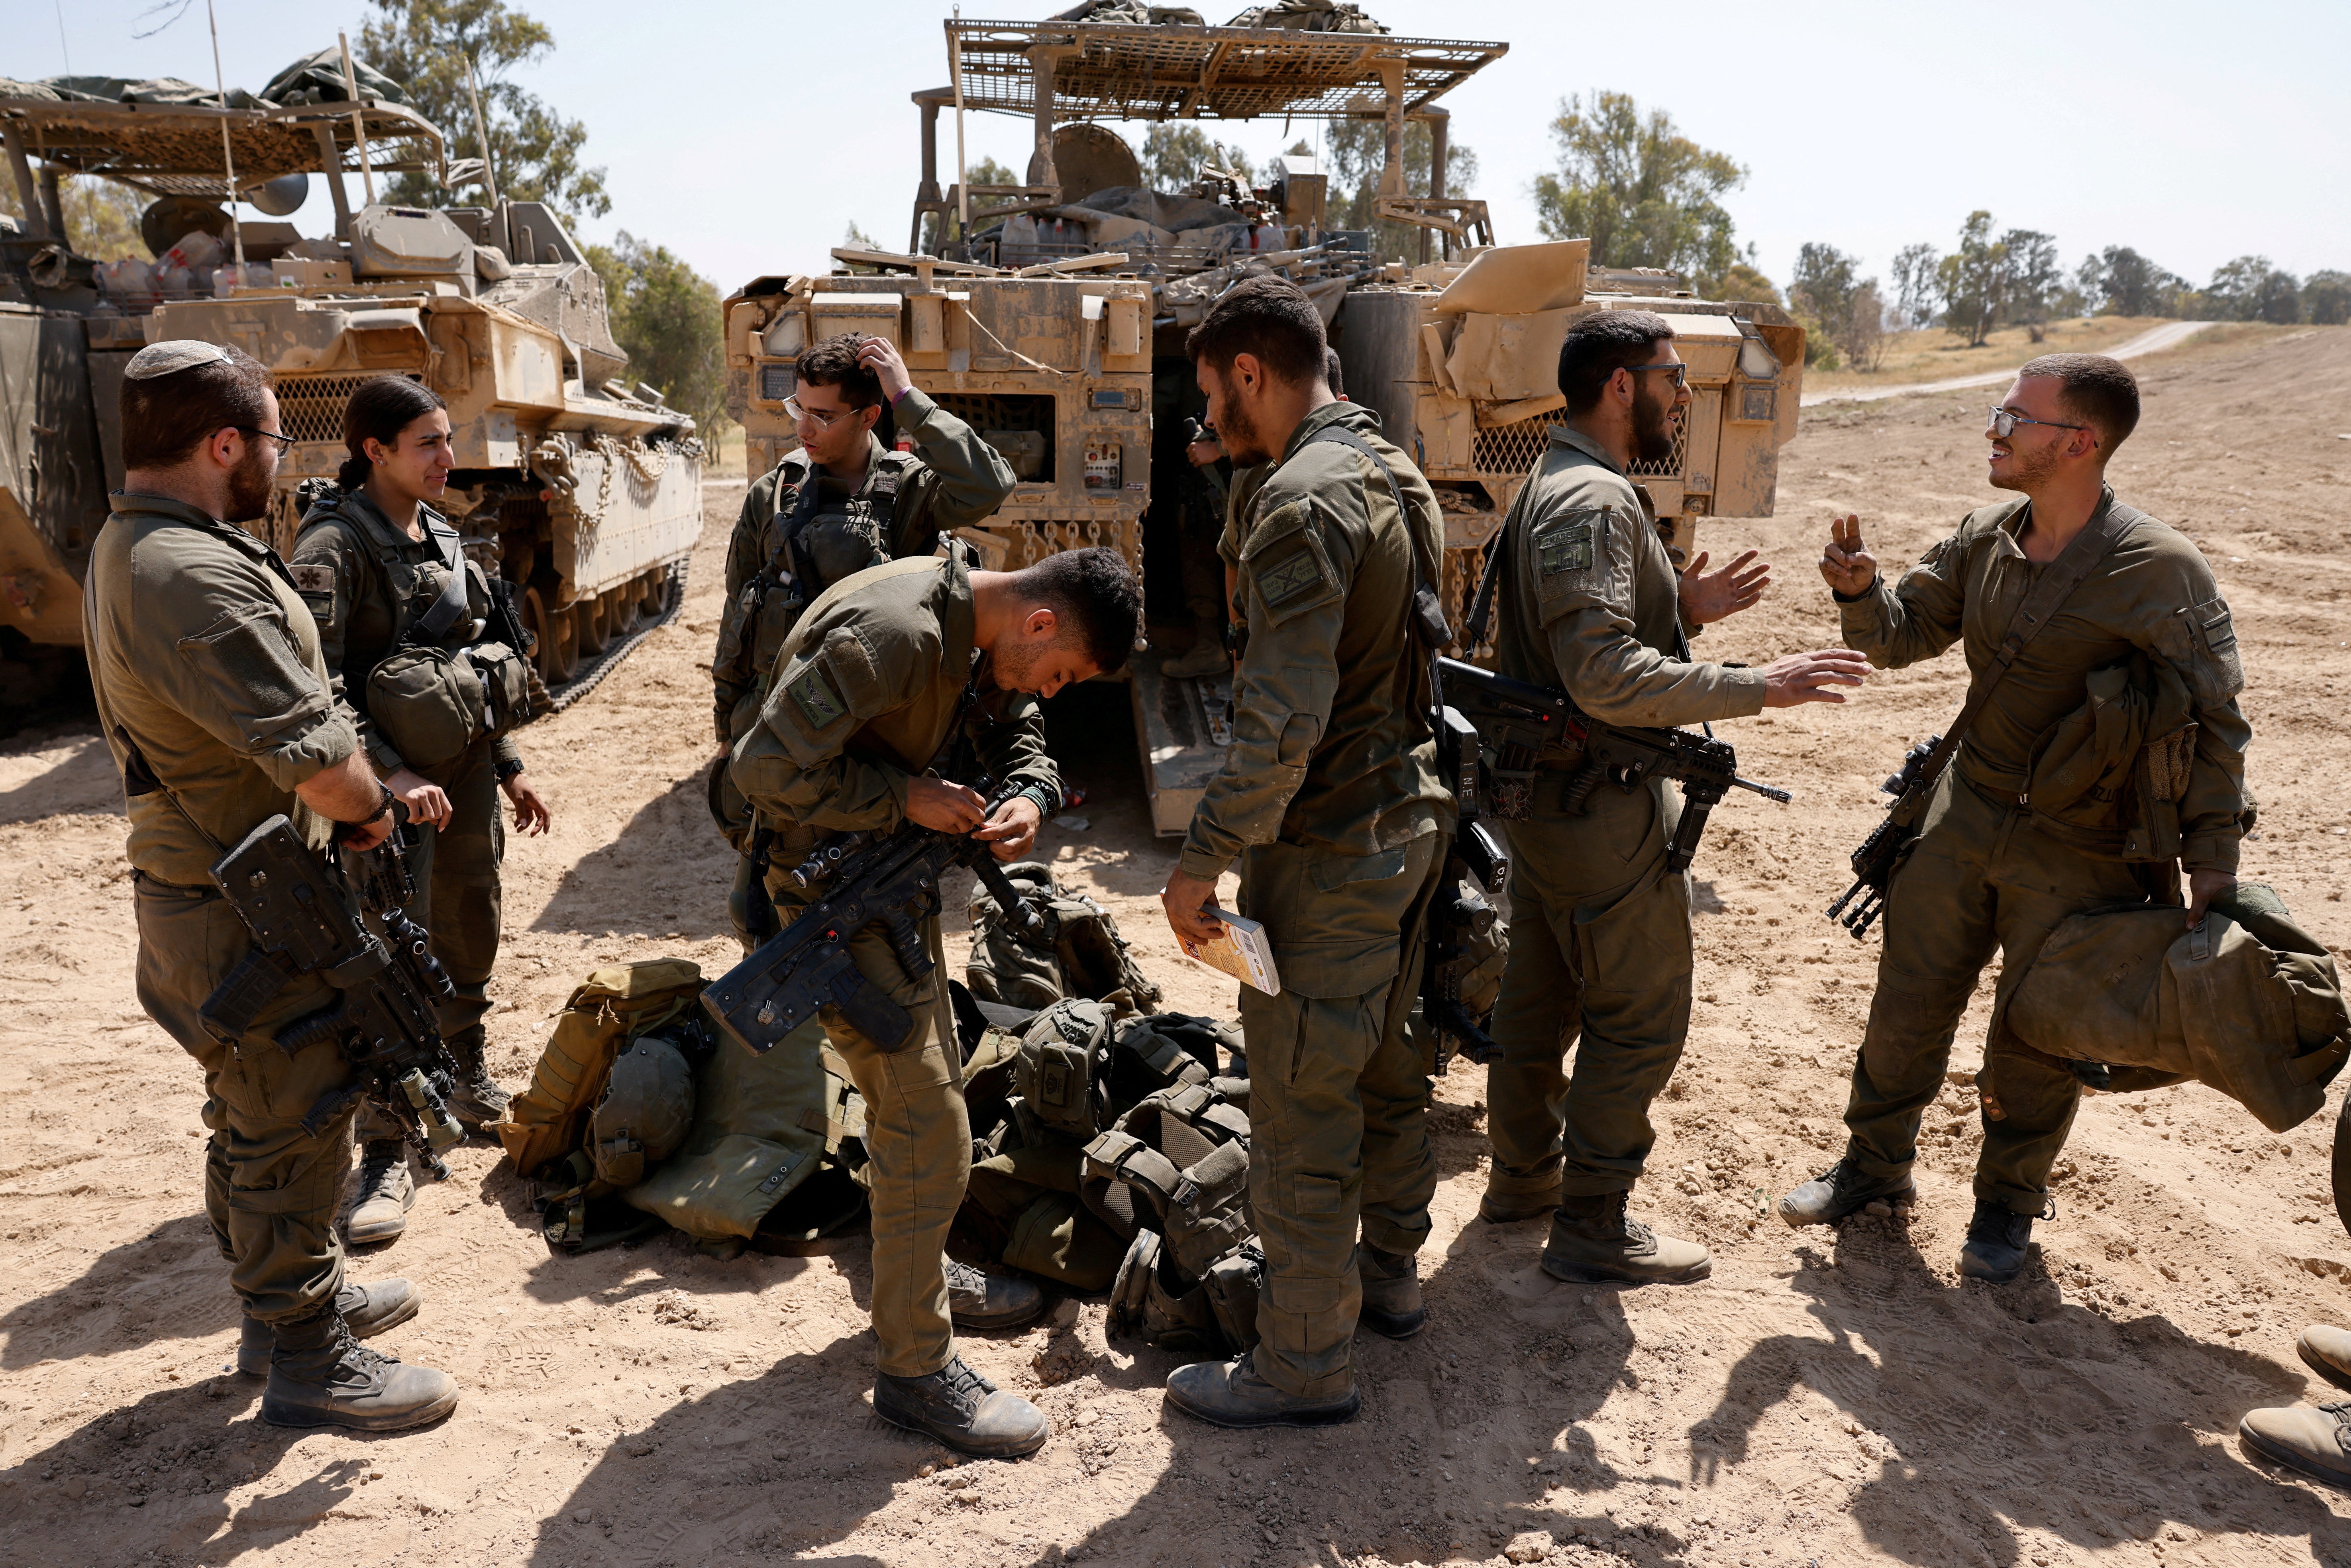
<point>748,137</point>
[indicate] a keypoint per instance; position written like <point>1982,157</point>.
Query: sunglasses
<point>2003,423</point>
<point>1677,368</point>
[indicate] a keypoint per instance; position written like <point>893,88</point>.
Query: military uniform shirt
<point>969,480</point>
<point>1329,748</point>
<point>1590,603</point>
<point>2153,593</point>
<point>203,656</point>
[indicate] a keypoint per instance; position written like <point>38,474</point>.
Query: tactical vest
<point>815,548</point>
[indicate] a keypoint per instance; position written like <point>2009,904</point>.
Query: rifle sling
<point>2072,568</point>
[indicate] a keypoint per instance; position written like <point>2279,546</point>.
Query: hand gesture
<point>1705,599</point>
<point>1845,562</point>
<point>881,356</point>
<point>1812,677</point>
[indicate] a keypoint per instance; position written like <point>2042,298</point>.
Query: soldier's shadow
<point>1971,1411</point>
<point>667,871</point>
<point>169,1284</point>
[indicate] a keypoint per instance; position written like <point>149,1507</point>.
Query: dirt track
<point>1825,1399</point>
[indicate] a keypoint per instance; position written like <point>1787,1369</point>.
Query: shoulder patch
<point>1567,543</point>
<point>312,577</point>
<point>820,701</point>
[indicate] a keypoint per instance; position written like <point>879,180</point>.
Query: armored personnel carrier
<point>581,490</point>
<point>1051,315</point>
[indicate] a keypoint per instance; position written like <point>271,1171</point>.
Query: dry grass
<point>1934,354</point>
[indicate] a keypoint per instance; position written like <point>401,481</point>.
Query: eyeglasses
<point>1678,369</point>
<point>285,443</point>
<point>821,420</point>
<point>2003,423</point>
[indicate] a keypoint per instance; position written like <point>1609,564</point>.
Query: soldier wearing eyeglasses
<point>2004,855</point>
<point>841,503</point>
<point>1589,602</point>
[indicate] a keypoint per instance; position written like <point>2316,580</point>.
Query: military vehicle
<point>584,492</point>
<point>1051,315</point>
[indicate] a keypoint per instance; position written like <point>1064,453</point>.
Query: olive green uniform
<point>1330,800</point>
<point>1600,930</point>
<point>216,704</point>
<point>1988,874</point>
<point>366,582</point>
<point>869,687</point>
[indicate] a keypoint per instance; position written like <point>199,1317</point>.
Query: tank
<point>1057,327</point>
<point>580,489</point>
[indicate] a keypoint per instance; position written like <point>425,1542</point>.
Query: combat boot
<point>1997,1240</point>
<point>1843,1189</point>
<point>1206,657</point>
<point>368,1311</point>
<point>1510,1197</point>
<point>1232,1394</point>
<point>2315,1440</point>
<point>977,1301</point>
<point>386,1193</point>
<point>963,1410</point>
<point>1594,1240</point>
<point>1392,1299</point>
<point>319,1376</point>
<point>478,1101</point>
<point>2327,1352</point>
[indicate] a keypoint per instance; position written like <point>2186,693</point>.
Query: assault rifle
<point>1477,859</point>
<point>1873,863</point>
<point>888,880</point>
<point>1516,720</point>
<point>308,916</point>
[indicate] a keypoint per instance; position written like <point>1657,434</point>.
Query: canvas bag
<point>610,1007</point>
<point>1080,953</point>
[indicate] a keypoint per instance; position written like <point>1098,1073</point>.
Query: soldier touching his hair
<point>883,673</point>
<point>217,706</point>
<point>1590,603</point>
<point>1330,800</point>
<point>1990,870</point>
<point>839,504</point>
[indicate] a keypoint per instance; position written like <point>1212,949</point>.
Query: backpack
<point>611,1008</point>
<point>1080,953</point>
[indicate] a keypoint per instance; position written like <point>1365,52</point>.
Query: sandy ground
<point>1825,1399</point>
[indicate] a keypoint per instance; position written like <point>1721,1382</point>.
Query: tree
<point>666,315</point>
<point>1175,153</point>
<point>1915,270</point>
<point>1971,278</point>
<point>1861,337</point>
<point>2250,289</point>
<point>1741,280</point>
<point>2119,281</point>
<point>423,45</point>
<point>1821,292</point>
<point>2033,276</point>
<point>1645,194</point>
<point>2327,298</point>
<point>101,217</point>
<point>1355,153</point>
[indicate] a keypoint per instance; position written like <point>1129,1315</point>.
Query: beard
<point>2025,472</point>
<point>1010,668</point>
<point>1653,426</point>
<point>249,486</point>
<point>1239,435</point>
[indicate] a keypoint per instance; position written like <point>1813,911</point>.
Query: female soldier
<point>374,562</point>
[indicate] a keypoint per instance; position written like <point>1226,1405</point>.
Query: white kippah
<point>178,354</point>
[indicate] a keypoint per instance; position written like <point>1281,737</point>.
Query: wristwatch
<point>505,770</point>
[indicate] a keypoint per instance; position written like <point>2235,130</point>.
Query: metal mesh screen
<point>1515,448</point>
<point>310,408</point>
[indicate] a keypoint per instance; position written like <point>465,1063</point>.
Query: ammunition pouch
<point>1177,1164</point>
<point>1055,1074</point>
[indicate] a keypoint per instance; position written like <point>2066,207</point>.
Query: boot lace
<point>380,1161</point>
<point>963,1279</point>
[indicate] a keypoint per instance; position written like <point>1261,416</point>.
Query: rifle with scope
<point>1882,852</point>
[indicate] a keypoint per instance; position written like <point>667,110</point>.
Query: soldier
<point>1330,800</point>
<point>216,705</point>
<point>1987,872</point>
<point>797,535</point>
<point>917,665</point>
<point>1600,934</point>
<point>373,561</point>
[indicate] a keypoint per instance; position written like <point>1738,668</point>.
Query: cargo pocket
<point>1335,921</point>
<point>248,651</point>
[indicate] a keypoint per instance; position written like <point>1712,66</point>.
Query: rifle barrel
<point>1766,790</point>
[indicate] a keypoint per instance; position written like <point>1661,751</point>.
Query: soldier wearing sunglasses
<point>841,503</point>
<point>2002,856</point>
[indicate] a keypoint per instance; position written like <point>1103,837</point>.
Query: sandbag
<point>610,1007</point>
<point>2246,1001</point>
<point>1079,954</point>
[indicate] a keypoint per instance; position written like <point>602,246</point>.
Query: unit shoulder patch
<point>1286,561</point>
<point>1569,542</point>
<point>814,693</point>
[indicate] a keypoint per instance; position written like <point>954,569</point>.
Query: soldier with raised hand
<point>883,673</point>
<point>1330,801</point>
<point>1988,871</point>
<point>217,706</point>
<point>839,504</point>
<point>1590,603</point>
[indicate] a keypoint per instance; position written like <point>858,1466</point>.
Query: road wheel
<point>621,609</point>
<point>558,651</point>
<point>594,619</point>
<point>651,597</point>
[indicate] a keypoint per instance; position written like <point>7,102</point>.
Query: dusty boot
<point>1593,1239</point>
<point>1232,1394</point>
<point>386,1193</point>
<point>368,1311</point>
<point>478,1101</point>
<point>2327,1352</point>
<point>963,1410</point>
<point>977,1301</point>
<point>1510,1197</point>
<point>1843,1189</point>
<point>1391,1302</point>
<point>319,1378</point>
<point>2314,1441</point>
<point>1206,657</point>
<point>1997,1242</point>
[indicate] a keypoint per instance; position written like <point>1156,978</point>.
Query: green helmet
<point>645,1113</point>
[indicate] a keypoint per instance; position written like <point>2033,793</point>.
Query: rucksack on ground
<point>1080,953</point>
